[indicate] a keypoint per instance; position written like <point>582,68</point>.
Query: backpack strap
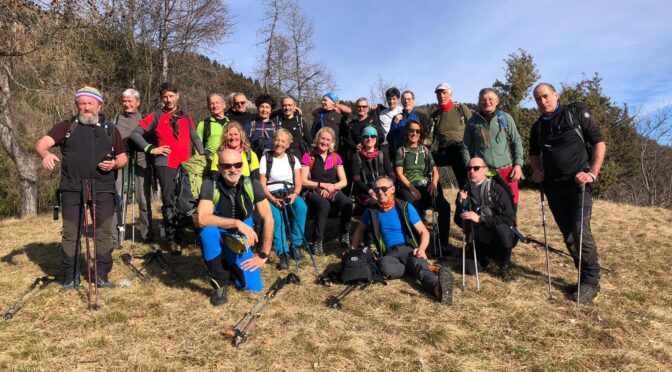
<point>503,122</point>
<point>207,124</point>
<point>402,210</point>
<point>375,231</point>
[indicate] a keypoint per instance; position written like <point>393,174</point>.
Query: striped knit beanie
<point>89,91</point>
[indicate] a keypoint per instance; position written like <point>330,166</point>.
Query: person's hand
<point>374,106</point>
<point>359,147</point>
<point>247,231</point>
<point>324,193</point>
<point>329,187</point>
<point>461,197</point>
<point>161,150</point>
<point>337,109</point>
<point>49,161</point>
<point>419,253</point>
<point>471,216</point>
<point>106,165</point>
<point>291,198</point>
<point>277,202</point>
<point>516,173</point>
<point>372,195</point>
<point>398,117</point>
<point>415,192</point>
<point>537,175</point>
<point>583,178</point>
<point>254,263</point>
<point>433,191</point>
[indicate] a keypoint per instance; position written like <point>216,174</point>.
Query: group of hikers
<point>256,177</point>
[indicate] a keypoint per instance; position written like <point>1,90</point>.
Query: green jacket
<point>497,142</point>
<point>216,129</point>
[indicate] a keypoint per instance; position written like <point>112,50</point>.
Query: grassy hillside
<point>168,324</point>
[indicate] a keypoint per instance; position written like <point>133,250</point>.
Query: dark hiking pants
<point>564,199</point>
<point>73,219</point>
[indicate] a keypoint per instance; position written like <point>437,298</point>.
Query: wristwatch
<point>262,255</point>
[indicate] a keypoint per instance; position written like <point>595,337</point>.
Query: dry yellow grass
<point>169,324</point>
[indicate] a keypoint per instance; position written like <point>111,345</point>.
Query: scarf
<point>368,155</point>
<point>447,107</point>
<point>386,206</point>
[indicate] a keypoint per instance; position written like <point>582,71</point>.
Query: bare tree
<point>652,185</point>
<point>287,63</point>
<point>42,29</point>
<point>379,86</point>
<point>273,13</point>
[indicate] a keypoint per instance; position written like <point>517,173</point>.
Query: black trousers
<point>321,207</point>
<point>492,244</point>
<point>452,156</point>
<point>425,202</point>
<point>73,222</point>
<point>564,199</point>
<point>167,181</point>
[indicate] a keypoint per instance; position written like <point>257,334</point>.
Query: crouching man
<point>485,210</point>
<point>394,225</point>
<point>225,215</point>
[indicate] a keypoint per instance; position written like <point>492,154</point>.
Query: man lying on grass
<point>225,213</point>
<point>392,224</point>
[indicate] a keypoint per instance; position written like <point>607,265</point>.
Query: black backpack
<point>357,265</point>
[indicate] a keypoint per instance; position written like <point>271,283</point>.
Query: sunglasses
<point>240,103</point>
<point>414,131</point>
<point>382,189</point>
<point>362,107</point>
<point>369,137</point>
<point>475,168</point>
<point>227,166</point>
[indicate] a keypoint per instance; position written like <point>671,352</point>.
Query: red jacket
<point>163,136</point>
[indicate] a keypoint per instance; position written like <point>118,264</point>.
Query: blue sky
<point>422,43</point>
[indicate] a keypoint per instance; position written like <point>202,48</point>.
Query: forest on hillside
<point>48,49</point>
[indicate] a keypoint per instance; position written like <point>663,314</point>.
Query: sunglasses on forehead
<point>227,166</point>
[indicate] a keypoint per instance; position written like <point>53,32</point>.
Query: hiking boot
<point>317,249</point>
<point>588,295</point>
<point>446,286</point>
<point>284,262</point>
<point>70,284</point>
<point>104,282</point>
<point>218,296</point>
<point>505,273</point>
<point>345,239</point>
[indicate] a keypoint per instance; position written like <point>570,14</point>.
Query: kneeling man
<point>485,210</point>
<point>394,226</point>
<point>225,213</point>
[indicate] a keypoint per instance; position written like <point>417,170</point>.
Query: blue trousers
<point>296,214</point>
<point>222,262</point>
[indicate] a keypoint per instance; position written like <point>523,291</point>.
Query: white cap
<point>443,86</point>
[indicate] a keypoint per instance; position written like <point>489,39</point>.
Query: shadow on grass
<point>46,255</point>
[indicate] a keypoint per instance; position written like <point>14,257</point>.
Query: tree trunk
<point>164,41</point>
<point>22,159</point>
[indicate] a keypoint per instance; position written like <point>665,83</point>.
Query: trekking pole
<point>529,239</point>
<point>121,209</point>
<point>334,302</point>
<point>238,332</point>
<point>95,243</point>
<point>285,223</point>
<point>473,244</point>
<point>305,244</point>
<point>543,223</point>
<point>127,259</point>
<point>464,208</point>
<point>85,206</point>
<point>578,282</point>
<point>22,300</point>
<point>436,231</point>
<point>131,181</point>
